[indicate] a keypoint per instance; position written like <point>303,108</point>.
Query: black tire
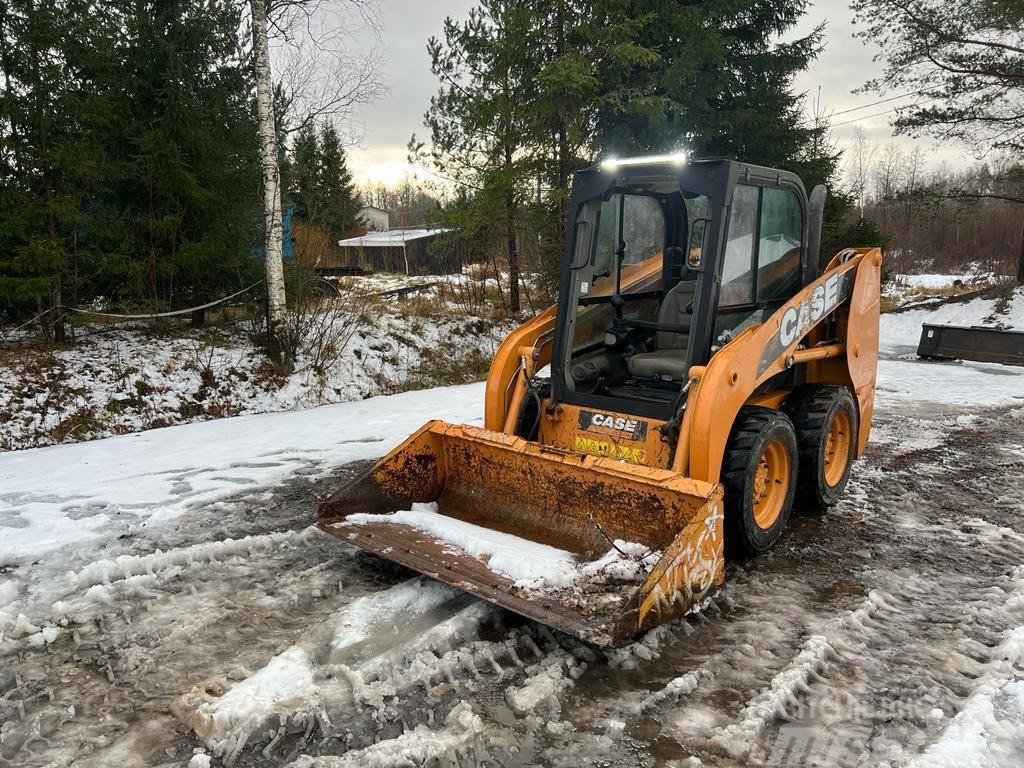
<point>813,408</point>
<point>753,431</point>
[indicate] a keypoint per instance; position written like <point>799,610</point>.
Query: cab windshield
<point>634,279</point>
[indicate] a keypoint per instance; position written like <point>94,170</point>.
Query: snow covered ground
<point>163,601</point>
<point>73,493</point>
<point>902,378</point>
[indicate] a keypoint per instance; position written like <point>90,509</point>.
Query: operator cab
<point>666,262</point>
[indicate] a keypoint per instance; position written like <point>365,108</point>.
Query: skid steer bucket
<point>500,501</point>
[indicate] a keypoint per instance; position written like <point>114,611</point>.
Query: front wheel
<point>759,475</point>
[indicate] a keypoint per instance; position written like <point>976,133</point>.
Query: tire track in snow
<point>357,668</point>
<point>128,645</point>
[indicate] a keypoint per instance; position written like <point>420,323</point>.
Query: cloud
<point>406,25</point>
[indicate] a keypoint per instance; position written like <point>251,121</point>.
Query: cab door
<point>762,260</point>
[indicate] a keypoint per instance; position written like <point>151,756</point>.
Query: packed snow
<point>68,494</point>
<point>420,746</point>
<point>272,695</point>
<point>529,564</point>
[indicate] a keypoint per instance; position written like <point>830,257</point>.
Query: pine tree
<point>481,120</point>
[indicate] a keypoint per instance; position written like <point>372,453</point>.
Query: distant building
<point>405,251</point>
<point>375,219</point>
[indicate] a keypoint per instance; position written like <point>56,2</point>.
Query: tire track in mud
<point>928,599</point>
<point>860,640</point>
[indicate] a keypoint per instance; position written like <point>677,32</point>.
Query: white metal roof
<point>392,238</point>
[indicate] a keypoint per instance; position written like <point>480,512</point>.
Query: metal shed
<point>405,251</point>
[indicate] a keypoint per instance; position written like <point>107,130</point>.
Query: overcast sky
<point>406,25</point>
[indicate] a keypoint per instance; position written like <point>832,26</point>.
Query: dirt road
<point>889,632</point>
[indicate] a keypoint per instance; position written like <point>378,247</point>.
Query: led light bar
<point>611,163</point>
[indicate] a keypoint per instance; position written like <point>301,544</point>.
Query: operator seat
<point>668,360</point>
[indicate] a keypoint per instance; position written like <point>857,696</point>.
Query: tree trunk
<point>562,171</point>
<point>56,316</point>
<point>513,255</point>
<point>276,307</point>
<point>1020,259</point>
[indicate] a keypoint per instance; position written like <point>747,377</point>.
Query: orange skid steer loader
<point>696,381</point>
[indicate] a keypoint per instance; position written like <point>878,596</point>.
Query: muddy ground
<point>858,641</point>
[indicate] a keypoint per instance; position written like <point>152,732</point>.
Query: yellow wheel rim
<point>838,445</point>
<point>771,484</point>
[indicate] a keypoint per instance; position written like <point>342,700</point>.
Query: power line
<point>864,117</point>
<point>879,114</point>
<point>872,104</point>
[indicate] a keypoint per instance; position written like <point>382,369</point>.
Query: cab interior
<point>633,325</point>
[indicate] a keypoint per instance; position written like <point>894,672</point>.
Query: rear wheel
<point>759,475</point>
<point>825,418</point>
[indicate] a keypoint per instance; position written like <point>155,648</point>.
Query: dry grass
<point>445,366</point>
<point>890,304</point>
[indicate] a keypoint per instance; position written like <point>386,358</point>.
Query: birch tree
<point>276,306</point>
<point>320,81</point>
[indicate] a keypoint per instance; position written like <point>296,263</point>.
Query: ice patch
<point>551,675</point>
<point>8,597</point>
<point>283,687</point>
<point>382,613</point>
<point>432,653</point>
<point>420,746</point>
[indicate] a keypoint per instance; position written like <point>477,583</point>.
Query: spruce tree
<point>482,120</point>
<point>339,199</point>
<point>321,187</point>
<point>304,173</point>
<point>127,150</point>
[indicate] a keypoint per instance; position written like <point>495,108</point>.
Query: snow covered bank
<point>68,494</point>
<point>899,332</point>
<point>128,378</point>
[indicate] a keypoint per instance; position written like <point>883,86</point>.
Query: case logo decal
<point>614,425</point>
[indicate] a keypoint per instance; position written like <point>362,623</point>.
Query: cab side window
<point>779,246</point>
<point>737,267</point>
